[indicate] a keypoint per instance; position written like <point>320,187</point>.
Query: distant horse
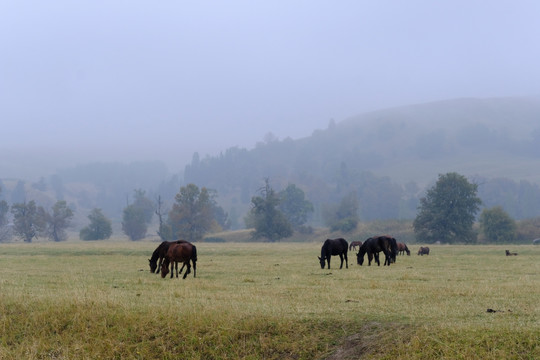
<point>354,244</point>
<point>508,253</point>
<point>374,245</point>
<point>159,254</point>
<point>402,248</point>
<point>180,252</point>
<point>334,247</point>
<point>423,251</point>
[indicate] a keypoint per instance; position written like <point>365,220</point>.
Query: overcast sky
<point>127,80</point>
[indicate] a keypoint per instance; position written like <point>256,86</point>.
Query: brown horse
<point>354,244</point>
<point>508,253</point>
<point>402,248</point>
<point>423,251</point>
<point>180,252</point>
<point>159,254</point>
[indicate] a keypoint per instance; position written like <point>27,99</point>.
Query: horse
<point>354,244</point>
<point>372,246</point>
<point>160,253</point>
<point>423,251</point>
<point>180,252</point>
<point>508,253</point>
<point>334,247</point>
<point>402,248</point>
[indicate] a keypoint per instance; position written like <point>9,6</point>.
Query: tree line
<point>448,213</point>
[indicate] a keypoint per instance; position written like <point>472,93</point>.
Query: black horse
<point>334,247</point>
<point>159,254</point>
<point>373,246</point>
<point>423,251</point>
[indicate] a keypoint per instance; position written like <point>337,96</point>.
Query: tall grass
<point>266,301</point>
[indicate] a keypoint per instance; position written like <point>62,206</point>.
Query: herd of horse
<point>372,247</point>
<point>170,253</point>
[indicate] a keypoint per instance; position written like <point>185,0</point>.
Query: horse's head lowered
<point>153,265</point>
<point>321,260</point>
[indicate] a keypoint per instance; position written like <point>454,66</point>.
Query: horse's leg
<point>194,269</point>
<point>341,258</point>
<point>328,260</point>
<point>172,269</point>
<point>182,268</point>
<point>188,269</point>
<point>377,259</point>
<point>346,260</point>
<point>159,265</point>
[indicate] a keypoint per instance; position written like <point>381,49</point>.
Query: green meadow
<point>98,300</point>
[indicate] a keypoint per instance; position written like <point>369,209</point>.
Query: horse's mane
<point>155,254</point>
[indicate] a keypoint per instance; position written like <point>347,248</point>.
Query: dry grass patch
<point>273,301</point>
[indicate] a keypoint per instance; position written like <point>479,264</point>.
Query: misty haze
<point>333,180</point>
<point>99,100</point>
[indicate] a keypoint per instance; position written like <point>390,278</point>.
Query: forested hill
<point>387,154</point>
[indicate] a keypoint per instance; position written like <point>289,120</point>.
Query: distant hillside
<point>393,152</point>
<point>386,159</point>
<point>492,137</point>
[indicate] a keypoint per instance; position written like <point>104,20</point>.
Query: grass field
<point>98,300</point>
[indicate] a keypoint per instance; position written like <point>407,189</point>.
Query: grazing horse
<point>354,244</point>
<point>423,251</point>
<point>508,253</point>
<point>402,248</point>
<point>180,252</point>
<point>374,245</point>
<point>160,253</point>
<point>334,247</point>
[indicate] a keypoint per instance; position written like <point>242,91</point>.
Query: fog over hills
<point>474,135</point>
<point>389,157</point>
<point>102,81</point>
<point>492,137</point>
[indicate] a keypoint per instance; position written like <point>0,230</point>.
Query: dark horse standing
<point>423,251</point>
<point>159,254</point>
<point>180,252</point>
<point>373,246</point>
<point>334,247</point>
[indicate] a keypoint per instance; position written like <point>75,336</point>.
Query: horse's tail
<point>194,253</point>
<point>194,260</point>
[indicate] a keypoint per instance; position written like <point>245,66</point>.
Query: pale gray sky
<point>128,80</point>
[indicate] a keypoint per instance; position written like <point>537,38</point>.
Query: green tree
<point>294,206</point>
<point>134,223</point>
<point>27,223</point>
<point>343,217</point>
<point>100,227</point>
<point>137,216</point>
<point>146,205</point>
<point>191,214</point>
<point>56,222</point>
<point>448,210</point>
<point>4,209</point>
<point>5,234</point>
<point>268,220</point>
<point>497,226</point>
